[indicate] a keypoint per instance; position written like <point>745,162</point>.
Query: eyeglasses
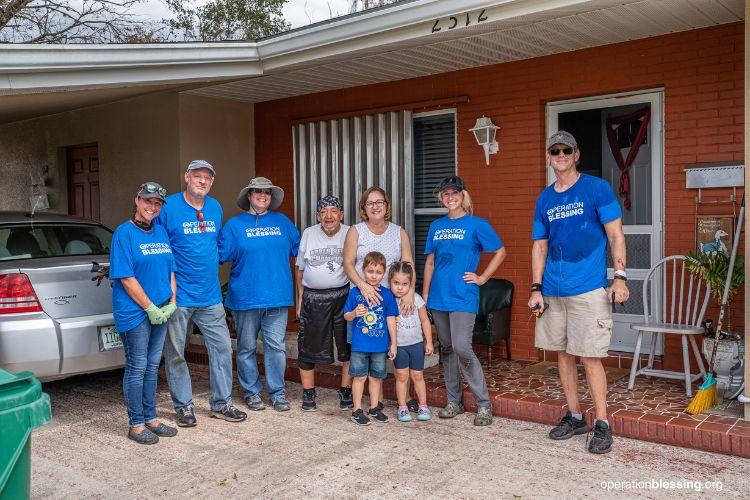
<point>153,188</point>
<point>557,151</point>
<point>262,191</point>
<point>201,222</point>
<point>376,203</point>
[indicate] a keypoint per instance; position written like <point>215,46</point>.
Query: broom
<point>706,395</point>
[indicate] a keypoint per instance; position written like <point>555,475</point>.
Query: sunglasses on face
<point>262,191</point>
<point>152,188</point>
<point>376,203</point>
<point>557,151</point>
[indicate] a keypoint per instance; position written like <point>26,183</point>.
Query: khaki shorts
<point>580,325</point>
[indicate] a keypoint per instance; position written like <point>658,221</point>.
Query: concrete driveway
<point>84,453</point>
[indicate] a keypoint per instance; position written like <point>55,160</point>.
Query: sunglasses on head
<point>153,188</point>
<point>262,191</point>
<point>557,151</point>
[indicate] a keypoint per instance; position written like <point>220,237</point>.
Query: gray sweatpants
<point>455,330</point>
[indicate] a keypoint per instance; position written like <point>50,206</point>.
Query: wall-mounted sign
<point>714,233</point>
<point>459,20</point>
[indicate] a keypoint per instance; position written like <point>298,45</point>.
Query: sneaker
<point>308,400</point>
<point>568,427</point>
<point>601,442</point>
<point>413,405</point>
<point>424,413</point>
<point>403,414</point>
<point>143,437</point>
<point>359,417</point>
<point>345,399</point>
<point>483,416</point>
<point>378,415</point>
<point>281,404</point>
<point>380,406</point>
<point>229,413</point>
<point>186,417</point>
<point>162,430</point>
<point>451,410</point>
<point>255,403</point>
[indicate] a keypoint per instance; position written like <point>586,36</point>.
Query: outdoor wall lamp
<point>484,132</point>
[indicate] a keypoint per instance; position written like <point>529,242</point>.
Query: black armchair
<point>493,318</point>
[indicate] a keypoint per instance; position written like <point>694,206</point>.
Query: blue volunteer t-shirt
<point>261,275</point>
<point>457,244</point>
<point>573,222</point>
<point>370,332</point>
<point>194,244</point>
<point>145,256</point>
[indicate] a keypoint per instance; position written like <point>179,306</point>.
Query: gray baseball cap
<point>196,164</point>
<point>152,190</point>
<point>562,137</point>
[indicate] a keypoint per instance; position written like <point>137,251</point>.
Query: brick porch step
<point>727,435</point>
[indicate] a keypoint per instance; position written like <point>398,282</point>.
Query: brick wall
<point>701,72</point>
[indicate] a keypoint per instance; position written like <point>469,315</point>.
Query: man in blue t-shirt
<point>193,220</point>
<point>574,219</point>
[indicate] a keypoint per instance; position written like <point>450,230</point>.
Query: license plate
<point>109,339</point>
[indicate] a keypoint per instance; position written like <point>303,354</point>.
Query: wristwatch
<point>620,275</point>
<point>536,287</point>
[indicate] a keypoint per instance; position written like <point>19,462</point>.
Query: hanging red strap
<point>624,165</point>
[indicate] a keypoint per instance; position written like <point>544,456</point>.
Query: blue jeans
<point>272,321</point>
<point>143,345</point>
<point>213,324</point>
<point>363,364</point>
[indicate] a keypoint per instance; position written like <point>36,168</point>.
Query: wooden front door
<point>83,181</point>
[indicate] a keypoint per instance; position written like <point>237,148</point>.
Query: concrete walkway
<point>83,453</point>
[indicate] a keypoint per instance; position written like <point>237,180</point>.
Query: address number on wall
<point>459,21</point>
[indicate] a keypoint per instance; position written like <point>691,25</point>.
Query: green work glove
<point>155,315</point>
<point>169,309</point>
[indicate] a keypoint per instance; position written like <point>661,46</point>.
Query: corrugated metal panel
<point>344,157</point>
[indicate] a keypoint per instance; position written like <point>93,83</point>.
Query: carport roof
<point>402,40</point>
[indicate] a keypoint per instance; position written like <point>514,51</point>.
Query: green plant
<point>712,267</point>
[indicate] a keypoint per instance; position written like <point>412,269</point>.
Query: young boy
<point>373,331</point>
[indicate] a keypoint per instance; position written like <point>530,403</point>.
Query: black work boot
<point>345,399</point>
<point>308,400</point>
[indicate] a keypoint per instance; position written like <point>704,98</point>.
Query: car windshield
<point>52,239</point>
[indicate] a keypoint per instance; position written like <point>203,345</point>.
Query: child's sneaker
<point>359,417</point>
<point>424,413</point>
<point>378,415</point>
<point>403,414</point>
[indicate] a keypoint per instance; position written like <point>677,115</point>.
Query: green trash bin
<point>23,407</point>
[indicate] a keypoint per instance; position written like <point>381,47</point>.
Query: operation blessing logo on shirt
<point>564,211</point>
<point>194,227</point>
<point>449,234</point>
<point>154,248</point>
<point>255,232</point>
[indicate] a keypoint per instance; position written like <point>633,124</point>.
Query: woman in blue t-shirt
<point>259,243</point>
<point>143,299</point>
<point>454,245</point>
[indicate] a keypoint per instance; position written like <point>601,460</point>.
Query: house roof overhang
<point>402,40</point>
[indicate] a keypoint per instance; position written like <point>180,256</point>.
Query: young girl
<point>412,348</point>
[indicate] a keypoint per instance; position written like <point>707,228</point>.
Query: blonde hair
<point>363,200</point>
<point>466,202</point>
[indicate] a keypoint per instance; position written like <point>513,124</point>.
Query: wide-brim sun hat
<point>277,194</point>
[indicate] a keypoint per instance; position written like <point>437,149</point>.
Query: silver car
<point>55,310</point>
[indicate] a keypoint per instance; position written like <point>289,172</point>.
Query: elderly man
<point>322,289</point>
<point>574,219</point>
<point>193,220</point>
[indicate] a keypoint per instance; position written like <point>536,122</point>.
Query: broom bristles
<point>704,398</point>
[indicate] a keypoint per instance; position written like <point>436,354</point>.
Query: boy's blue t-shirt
<point>458,244</point>
<point>573,222</point>
<point>370,332</point>
<point>145,256</point>
<point>196,253</point>
<point>259,249</point>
